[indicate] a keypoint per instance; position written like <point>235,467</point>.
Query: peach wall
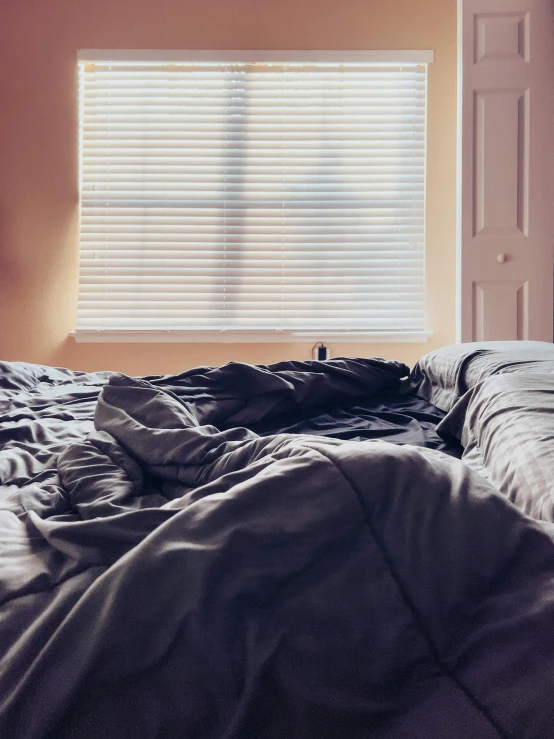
<point>38,153</point>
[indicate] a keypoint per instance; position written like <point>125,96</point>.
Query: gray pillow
<point>443,376</point>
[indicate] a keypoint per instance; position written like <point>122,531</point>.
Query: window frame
<point>290,57</point>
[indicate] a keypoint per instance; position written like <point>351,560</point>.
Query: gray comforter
<point>176,575</point>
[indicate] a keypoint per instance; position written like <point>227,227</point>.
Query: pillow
<point>443,376</point>
<point>506,425</point>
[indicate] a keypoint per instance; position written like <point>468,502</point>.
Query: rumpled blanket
<point>192,579</point>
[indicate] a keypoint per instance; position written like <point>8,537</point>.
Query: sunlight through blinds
<point>251,197</point>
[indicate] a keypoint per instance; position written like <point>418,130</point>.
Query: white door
<point>506,163</point>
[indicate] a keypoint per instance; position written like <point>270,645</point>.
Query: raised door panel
<point>500,311</point>
<point>500,163</point>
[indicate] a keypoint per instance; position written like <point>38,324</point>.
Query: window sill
<point>100,336</point>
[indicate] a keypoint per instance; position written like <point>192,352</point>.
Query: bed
<point>307,549</point>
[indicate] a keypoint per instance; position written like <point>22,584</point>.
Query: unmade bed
<point>292,550</point>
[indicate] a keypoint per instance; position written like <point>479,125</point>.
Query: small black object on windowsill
<point>320,352</point>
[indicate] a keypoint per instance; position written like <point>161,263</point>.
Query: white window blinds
<point>251,197</point>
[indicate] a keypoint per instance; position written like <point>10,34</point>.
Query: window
<point>252,195</point>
